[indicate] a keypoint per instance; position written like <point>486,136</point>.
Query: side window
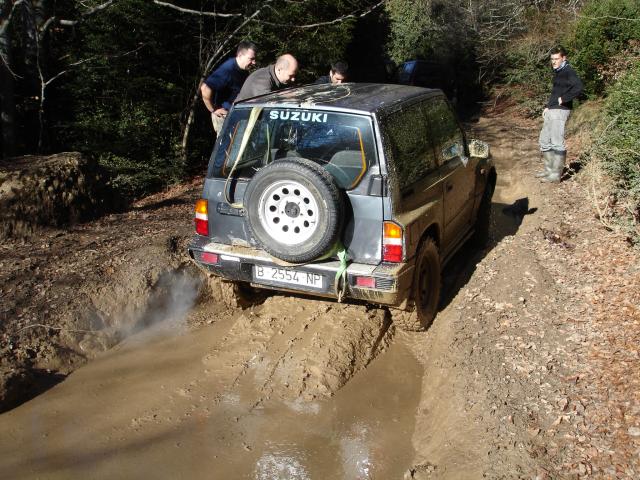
<point>409,146</point>
<point>447,137</point>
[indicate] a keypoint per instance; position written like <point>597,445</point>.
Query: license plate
<point>287,275</point>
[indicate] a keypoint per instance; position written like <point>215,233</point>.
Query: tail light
<point>367,282</point>
<point>208,257</point>
<point>392,243</point>
<point>202,217</point>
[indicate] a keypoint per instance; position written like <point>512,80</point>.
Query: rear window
<point>341,143</point>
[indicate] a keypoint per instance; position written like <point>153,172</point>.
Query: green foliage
<point>523,64</point>
<point>613,123</point>
<point>123,104</point>
<point>412,30</point>
<point>429,29</point>
<point>528,77</point>
<point>620,144</point>
<point>315,48</point>
<point>604,29</point>
<point>443,33</point>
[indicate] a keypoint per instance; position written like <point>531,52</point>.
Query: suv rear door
<point>341,142</point>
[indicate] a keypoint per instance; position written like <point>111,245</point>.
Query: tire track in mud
<point>309,352</point>
<point>478,400</point>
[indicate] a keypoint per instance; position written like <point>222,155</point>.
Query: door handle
<point>449,187</point>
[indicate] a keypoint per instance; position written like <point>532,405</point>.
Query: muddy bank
<point>70,294</point>
<point>53,191</point>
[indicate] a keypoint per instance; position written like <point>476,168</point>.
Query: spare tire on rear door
<point>295,210</point>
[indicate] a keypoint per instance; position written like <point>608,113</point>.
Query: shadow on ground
<point>505,222</point>
<point>24,385</point>
<point>170,202</point>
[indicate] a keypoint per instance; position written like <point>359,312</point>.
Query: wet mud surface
<point>174,384</point>
<point>246,397</point>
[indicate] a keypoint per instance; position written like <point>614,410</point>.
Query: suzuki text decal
<point>298,116</point>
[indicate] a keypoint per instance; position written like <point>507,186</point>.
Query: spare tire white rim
<point>288,212</point>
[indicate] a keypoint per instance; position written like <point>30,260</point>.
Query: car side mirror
<point>478,148</point>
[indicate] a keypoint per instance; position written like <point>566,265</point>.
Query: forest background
<point>118,79</point>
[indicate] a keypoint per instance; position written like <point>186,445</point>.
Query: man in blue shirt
<point>221,88</point>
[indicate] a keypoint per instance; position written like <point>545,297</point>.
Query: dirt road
<point>295,388</point>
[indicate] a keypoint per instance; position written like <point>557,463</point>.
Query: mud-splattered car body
<point>333,191</point>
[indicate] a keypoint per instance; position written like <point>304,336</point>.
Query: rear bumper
<point>392,281</point>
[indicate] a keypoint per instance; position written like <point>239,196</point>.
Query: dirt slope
<point>524,374</point>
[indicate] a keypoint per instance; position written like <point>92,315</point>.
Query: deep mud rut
<point>296,388</point>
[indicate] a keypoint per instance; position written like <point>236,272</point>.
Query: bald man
<point>268,79</point>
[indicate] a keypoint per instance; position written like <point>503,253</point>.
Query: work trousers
<point>552,133</point>
<point>217,123</point>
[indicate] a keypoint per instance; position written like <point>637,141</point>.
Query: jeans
<point>552,133</point>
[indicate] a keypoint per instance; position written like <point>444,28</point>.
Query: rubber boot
<point>557,166</point>
<point>547,158</point>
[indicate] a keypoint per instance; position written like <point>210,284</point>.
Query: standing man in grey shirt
<point>270,78</point>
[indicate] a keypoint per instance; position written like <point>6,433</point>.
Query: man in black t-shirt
<point>339,73</point>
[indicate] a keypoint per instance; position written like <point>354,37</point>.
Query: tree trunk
<point>7,99</point>
<point>40,19</point>
<point>187,128</point>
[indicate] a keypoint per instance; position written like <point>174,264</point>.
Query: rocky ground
<point>529,370</point>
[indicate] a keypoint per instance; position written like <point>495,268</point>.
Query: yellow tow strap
<point>253,118</point>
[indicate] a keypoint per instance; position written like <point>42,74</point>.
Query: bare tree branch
<point>330,22</point>
<point>311,25</point>
<point>85,60</point>
<point>609,17</point>
<point>196,12</point>
<point>96,9</point>
<point>4,22</point>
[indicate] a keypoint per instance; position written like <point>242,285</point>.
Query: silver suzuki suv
<point>353,191</point>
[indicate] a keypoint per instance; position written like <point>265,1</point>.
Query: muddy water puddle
<point>201,405</point>
<point>363,432</point>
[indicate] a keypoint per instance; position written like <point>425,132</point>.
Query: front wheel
<point>425,291</point>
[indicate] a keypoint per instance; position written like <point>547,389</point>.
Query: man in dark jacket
<point>338,74</point>
<point>220,88</point>
<point>268,79</point>
<point>566,87</point>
